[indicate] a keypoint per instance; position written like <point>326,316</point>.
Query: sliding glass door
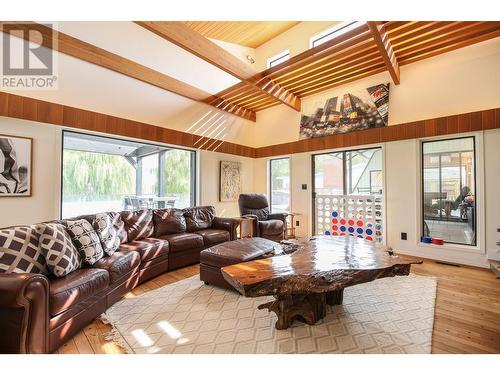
<point>347,193</point>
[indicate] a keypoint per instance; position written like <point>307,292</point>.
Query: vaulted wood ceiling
<point>246,33</point>
<point>369,49</point>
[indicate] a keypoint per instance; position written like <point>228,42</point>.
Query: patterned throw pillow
<point>119,225</point>
<point>86,240</point>
<point>20,251</point>
<point>139,224</point>
<point>106,232</point>
<point>61,254</point>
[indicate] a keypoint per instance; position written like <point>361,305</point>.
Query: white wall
<point>209,169</point>
<point>492,190</point>
<point>44,203</point>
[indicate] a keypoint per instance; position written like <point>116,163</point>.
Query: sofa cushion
<point>106,232</point>
<point>168,221</point>
<point>233,252</point>
<point>20,251</point>
<point>148,248</point>
<point>119,225</point>
<point>272,227</point>
<point>59,251</point>
<point>139,224</point>
<point>198,218</point>
<point>213,236</point>
<point>86,240</point>
<point>76,287</point>
<point>183,241</point>
<point>119,264</point>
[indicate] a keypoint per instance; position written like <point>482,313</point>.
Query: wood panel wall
<point>25,108</point>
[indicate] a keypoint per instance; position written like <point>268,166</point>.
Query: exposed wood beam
<point>384,46</point>
<point>92,54</point>
<point>195,43</point>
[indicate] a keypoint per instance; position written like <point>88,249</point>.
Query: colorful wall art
<point>356,110</point>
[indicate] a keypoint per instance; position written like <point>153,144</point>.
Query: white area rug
<point>391,315</point>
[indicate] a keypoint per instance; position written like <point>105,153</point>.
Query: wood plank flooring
<point>467,316</point>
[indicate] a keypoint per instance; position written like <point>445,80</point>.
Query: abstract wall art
<point>15,166</point>
<point>230,181</point>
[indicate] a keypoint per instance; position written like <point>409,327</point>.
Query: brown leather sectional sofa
<point>38,313</point>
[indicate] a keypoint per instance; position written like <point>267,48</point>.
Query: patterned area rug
<point>391,315</point>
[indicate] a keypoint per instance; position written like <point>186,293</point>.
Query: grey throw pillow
<point>20,251</point>
<point>60,253</point>
<point>107,233</point>
<point>86,240</point>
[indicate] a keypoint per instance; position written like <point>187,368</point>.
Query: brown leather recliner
<point>267,225</point>
<point>39,313</point>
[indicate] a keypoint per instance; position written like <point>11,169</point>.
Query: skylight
<point>333,32</point>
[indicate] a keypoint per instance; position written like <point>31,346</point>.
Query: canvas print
<point>230,181</point>
<point>357,110</point>
<point>15,166</point>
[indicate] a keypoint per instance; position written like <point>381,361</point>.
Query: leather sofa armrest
<point>278,216</point>
<point>225,223</point>
<point>24,313</point>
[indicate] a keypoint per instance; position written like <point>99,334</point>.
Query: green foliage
<point>177,172</point>
<point>93,176</point>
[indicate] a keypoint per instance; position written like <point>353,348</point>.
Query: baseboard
<point>469,261</point>
<point>495,268</point>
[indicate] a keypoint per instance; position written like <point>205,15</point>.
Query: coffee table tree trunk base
<point>307,308</point>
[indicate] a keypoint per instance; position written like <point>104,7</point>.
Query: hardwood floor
<point>467,315</point>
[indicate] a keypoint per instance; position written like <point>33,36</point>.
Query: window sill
<point>452,247</point>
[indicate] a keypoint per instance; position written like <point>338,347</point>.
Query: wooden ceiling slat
<point>440,42</point>
<point>343,82</point>
<point>361,62</point>
<point>248,33</point>
<point>441,33</point>
<point>334,60</point>
<point>323,51</point>
<point>341,77</point>
<point>463,42</point>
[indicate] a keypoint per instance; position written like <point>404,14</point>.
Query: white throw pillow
<point>107,233</point>
<point>86,240</point>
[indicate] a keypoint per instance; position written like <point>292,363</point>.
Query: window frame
<point>193,163</point>
<point>270,185</point>
<point>344,182</point>
<point>271,62</point>
<point>476,192</point>
<point>348,26</point>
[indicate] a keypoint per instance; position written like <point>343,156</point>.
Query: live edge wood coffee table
<point>315,275</point>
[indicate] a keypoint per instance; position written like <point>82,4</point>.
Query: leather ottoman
<point>232,252</point>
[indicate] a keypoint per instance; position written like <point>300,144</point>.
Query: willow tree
<point>94,176</point>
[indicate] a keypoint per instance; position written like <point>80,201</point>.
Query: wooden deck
<point>467,316</point>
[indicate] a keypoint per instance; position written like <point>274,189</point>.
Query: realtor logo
<point>28,56</point>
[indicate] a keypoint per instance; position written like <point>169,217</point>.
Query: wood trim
<point>454,124</point>
<point>183,36</point>
<point>384,46</point>
<point>94,55</point>
<point>25,108</point>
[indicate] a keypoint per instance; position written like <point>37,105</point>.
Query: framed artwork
<point>230,181</point>
<point>354,110</point>
<point>15,166</point>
